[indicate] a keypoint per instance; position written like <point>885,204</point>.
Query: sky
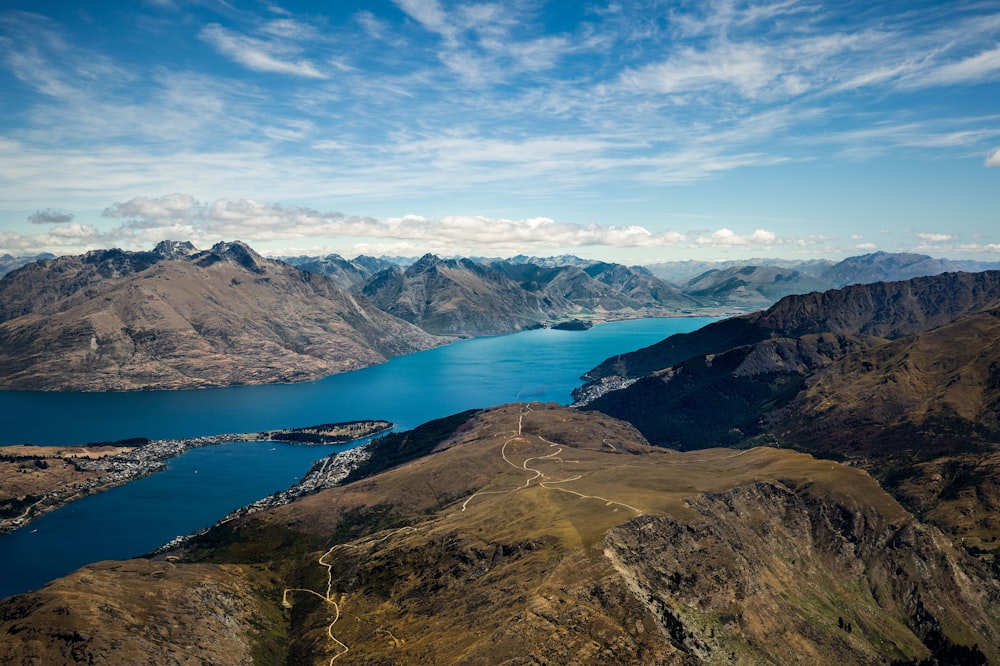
<point>629,131</point>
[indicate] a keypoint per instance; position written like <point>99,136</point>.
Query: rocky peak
<point>170,249</point>
<point>425,263</point>
<point>235,252</point>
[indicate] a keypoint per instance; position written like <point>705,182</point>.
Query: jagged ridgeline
<point>901,379</point>
<point>536,533</point>
<point>177,317</point>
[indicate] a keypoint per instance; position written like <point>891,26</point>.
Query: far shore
<point>35,480</point>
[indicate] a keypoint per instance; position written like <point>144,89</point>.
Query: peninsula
<point>35,480</point>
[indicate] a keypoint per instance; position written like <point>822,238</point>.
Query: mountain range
<point>818,481</point>
<point>177,317</point>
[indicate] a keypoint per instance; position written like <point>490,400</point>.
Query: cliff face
<point>178,318</point>
<point>901,378</point>
<point>764,573</point>
<point>538,534</point>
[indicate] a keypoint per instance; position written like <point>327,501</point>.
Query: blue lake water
<point>204,484</point>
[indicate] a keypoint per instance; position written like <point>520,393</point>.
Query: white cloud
<point>747,67</point>
<point>728,238</point>
<point>151,219</point>
<point>993,159</point>
<point>75,231</point>
<point>936,238</point>
<point>50,216</point>
<point>982,67</point>
<point>429,14</point>
<point>258,55</point>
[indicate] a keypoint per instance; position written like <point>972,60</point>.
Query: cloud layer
<point>145,221</point>
<point>513,110</point>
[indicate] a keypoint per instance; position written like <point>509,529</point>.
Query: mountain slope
<point>716,385</point>
<point>904,382</point>
<point>538,534</point>
<point>178,318</point>
<point>884,309</point>
<point>751,287</point>
<point>457,297</point>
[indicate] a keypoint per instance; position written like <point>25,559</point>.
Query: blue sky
<point>628,131</point>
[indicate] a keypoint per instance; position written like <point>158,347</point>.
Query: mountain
<point>458,297</point>
<point>887,267</point>
<point>538,534</point>
<point>9,262</point>
<point>751,287</point>
<point>885,309</point>
<point>899,378</point>
<point>600,287</point>
<point>681,272</point>
<point>346,274</point>
<point>177,317</point>
<point>759,283</point>
<point>461,297</point>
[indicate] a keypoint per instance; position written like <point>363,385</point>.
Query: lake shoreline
<point>106,466</point>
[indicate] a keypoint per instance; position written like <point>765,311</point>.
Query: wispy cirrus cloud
<point>260,55</point>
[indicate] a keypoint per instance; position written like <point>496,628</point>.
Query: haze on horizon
<point>618,130</point>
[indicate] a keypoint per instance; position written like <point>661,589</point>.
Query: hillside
<point>538,534</point>
<point>885,309</point>
<point>751,287</point>
<point>180,318</point>
<point>899,378</point>
<point>462,297</point>
<point>458,297</point>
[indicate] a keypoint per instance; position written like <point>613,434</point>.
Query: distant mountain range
<point>464,297</point>
<point>177,317</point>
<point>740,285</point>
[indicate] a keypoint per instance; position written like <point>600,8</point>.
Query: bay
<point>205,484</point>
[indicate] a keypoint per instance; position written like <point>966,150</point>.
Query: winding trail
<point>538,474</point>
<point>328,597</point>
<point>543,481</point>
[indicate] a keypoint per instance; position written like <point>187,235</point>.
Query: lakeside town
<point>51,477</point>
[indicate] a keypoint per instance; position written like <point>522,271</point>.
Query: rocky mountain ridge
<point>180,318</point>
<point>900,378</point>
<point>539,534</point>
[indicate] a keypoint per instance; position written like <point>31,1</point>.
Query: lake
<point>204,484</point>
